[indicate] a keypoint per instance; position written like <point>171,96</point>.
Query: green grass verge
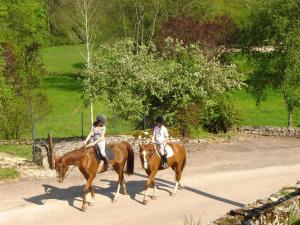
<point>23,151</point>
<point>8,173</point>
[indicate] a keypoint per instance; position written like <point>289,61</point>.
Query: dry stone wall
<point>279,209</point>
<point>271,131</point>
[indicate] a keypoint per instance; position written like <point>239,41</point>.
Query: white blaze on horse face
<point>145,160</point>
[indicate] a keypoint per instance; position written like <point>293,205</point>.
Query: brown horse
<point>85,159</point>
<point>151,162</point>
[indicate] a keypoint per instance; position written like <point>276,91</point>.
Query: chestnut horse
<point>85,159</point>
<point>151,162</point>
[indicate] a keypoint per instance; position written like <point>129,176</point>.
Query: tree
<point>146,83</point>
<point>276,24</point>
<point>291,77</point>
<point>21,66</point>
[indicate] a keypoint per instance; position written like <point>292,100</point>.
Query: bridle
<point>60,174</point>
<point>144,154</point>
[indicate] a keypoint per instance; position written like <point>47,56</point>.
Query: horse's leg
<point>91,189</point>
<point>154,197</point>
<point>178,172</point>
<point>92,196</point>
<point>85,191</point>
<point>148,182</point>
<point>120,171</point>
<point>124,186</point>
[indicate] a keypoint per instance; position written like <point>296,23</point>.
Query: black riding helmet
<point>101,118</point>
<point>159,119</point>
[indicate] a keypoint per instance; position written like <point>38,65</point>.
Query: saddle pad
<point>110,155</point>
<point>169,151</point>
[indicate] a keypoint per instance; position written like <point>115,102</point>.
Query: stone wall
<point>271,131</point>
<point>278,209</point>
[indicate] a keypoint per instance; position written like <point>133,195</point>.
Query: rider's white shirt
<point>160,134</point>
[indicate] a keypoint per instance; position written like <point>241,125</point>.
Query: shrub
<point>220,116</point>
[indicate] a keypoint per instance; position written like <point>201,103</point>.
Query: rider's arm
<point>153,136</point>
<point>88,137</point>
<point>99,139</point>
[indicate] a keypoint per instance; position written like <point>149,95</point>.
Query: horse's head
<point>146,151</point>
<point>61,169</point>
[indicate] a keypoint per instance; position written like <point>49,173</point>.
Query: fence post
<point>32,130</point>
<point>115,121</point>
<point>51,154</point>
<point>145,125</point>
<point>82,124</point>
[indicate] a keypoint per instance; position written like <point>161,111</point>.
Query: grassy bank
<point>23,151</point>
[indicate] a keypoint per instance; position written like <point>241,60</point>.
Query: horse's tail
<point>130,160</point>
<point>184,159</point>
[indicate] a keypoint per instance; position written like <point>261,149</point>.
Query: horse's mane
<point>74,155</point>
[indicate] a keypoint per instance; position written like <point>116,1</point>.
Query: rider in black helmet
<point>160,137</point>
<point>97,136</point>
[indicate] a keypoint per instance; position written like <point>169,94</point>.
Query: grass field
<point>63,86</point>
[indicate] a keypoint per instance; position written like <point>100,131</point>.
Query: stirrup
<point>165,165</point>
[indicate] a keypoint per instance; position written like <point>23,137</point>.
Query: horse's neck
<point>72,159</point>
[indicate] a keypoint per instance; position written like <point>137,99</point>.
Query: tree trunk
<point>289,119</point>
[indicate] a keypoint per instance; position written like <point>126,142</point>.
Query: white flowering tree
<point>148,81</point>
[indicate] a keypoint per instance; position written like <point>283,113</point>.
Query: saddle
<point>168,150</point>
<point>110,155</point>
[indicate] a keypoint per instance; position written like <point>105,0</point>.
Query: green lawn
<point>23,151</point>
<point>271,112</point>
<point>8,173</point>
<point>63,87</point>
<point>64,59</point>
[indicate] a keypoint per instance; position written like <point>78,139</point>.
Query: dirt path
<point>218,177</point>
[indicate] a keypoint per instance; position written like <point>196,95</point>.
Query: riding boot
<point>105,165</point>
<point>164,161</point>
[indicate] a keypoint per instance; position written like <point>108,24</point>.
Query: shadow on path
<point>134,188</point>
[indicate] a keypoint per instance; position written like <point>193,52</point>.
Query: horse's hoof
<point>181,187</point>
<point>146,201</point>
<point>172,194</point>
<point>114,200</point>
<point>154,197</point>
<point>91,203</point>
<point>84,208</point>
<point>125,193</point>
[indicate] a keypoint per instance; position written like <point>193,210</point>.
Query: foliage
<point>276,24</point>
<point>8,173</point>
<point>21,67</point>
<point>142,83</point>
<point>23,22</point>
<point>220,116</point>
<point>211,34</point>
<point>142,19</point>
